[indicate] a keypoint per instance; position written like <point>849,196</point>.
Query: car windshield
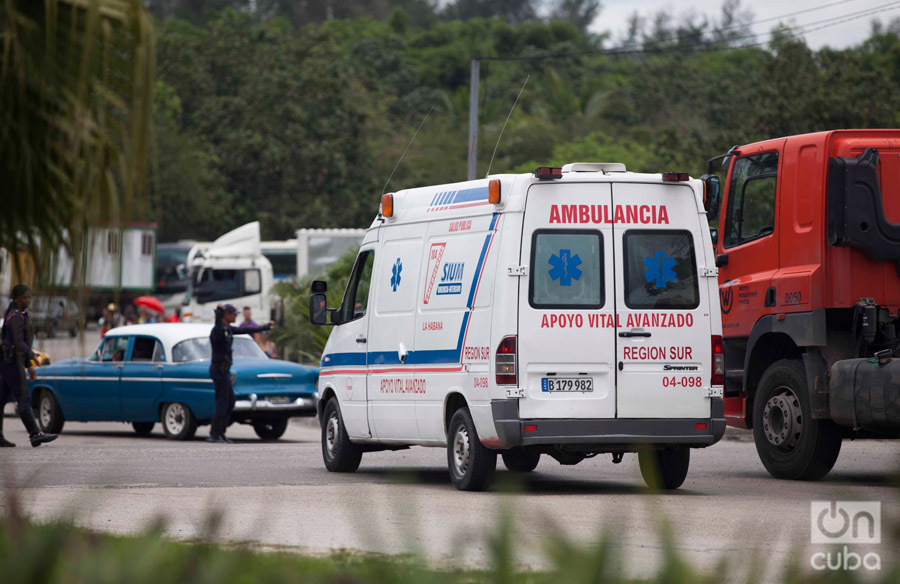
<point>199,349</point>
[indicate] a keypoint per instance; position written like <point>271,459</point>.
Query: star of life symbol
<point>395,277</point>
<point>565,267</point>
<point>659,269</point>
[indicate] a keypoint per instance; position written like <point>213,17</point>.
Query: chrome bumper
<point>261,404</point>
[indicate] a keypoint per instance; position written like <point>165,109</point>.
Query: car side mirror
<point>318,310</point>
<point>711,191</point>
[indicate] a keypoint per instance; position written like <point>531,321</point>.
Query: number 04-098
<point>692,381</point>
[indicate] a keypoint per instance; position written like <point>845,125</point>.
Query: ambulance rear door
<point>566,342</point>
<point>664,350</point>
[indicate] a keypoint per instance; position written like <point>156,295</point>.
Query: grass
<point>62,553</point>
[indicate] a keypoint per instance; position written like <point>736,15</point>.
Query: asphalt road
<point>279,495</point>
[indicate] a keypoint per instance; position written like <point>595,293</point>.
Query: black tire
<point>339,454</point>
<point>178,421</point>
<point>472,466</point>
<point>790,443</point>
<point>270,429</point>
<point>143,428</point>
<point>664,469</point>
<point>521,459</point>
<point>49,415</point>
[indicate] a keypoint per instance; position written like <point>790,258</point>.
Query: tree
<point>76,89</point>
<point>581,13</point>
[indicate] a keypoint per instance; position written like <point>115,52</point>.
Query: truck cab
<point>807,249</point>
<point>230,270</point>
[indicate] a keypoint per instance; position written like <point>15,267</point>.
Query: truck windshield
<point>216,285</point>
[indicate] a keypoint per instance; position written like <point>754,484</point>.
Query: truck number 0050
<point>692,381</point>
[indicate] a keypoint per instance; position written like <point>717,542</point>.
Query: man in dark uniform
<point>221,339</point>
<point>16,357</point>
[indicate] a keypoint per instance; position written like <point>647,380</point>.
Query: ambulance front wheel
<point>339,454</point>
<point>521,459</point>
<point>664,469</point>
<point>472,466</point>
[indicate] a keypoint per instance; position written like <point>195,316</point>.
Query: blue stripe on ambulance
<point>427,357</point>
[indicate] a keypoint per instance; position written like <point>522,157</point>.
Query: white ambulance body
<point>575,314</point>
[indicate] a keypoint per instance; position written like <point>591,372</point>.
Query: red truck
<point>808,251</point>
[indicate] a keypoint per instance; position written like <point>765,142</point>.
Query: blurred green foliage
<point>298,119</point>
<point>61,553</point>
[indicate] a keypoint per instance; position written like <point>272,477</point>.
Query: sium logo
<point>451,279</point>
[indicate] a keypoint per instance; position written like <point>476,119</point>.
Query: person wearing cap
<point>17,361</point>
<point>221,339</point>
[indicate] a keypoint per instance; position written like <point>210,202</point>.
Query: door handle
<point>118,365</point>
<point>360,339</point>
<point>158,366</point>
<point>629,334</point>
<point>721,260</point>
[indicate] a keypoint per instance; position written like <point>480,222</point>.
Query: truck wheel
<point>339,453</point>
<point>50,416</point>
<point>791,444</point>
<point>521,459</point>
<point>472,466</point>
<point>664,469</point>
<point>178,421</point>
<point>142,428</point>
<point>270,429</point>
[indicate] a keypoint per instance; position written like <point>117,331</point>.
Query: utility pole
<point>473,118</point>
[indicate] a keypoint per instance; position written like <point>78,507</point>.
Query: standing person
<point>268,347</point>
<point>248,318</point>
<point>221,339</point>
<point>175,316</point>
<point>16,357</point>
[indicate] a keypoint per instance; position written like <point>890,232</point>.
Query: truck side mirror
<point>317,309</point>
<point>714,234</point>
<point>711,193</point>
<point>319,287</point>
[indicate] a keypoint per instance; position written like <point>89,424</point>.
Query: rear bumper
<point>613,433</point>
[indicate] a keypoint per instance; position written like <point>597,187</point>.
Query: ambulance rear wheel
<point>790,443</point>
<point>521,459</point>
<point>472,466</point>
<point>339,454</point>
<point>664,469</point>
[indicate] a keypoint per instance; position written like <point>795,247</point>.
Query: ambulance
<point>570,312</point>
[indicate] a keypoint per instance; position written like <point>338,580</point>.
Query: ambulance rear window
<point>567,269</point>
<point>660,270</point>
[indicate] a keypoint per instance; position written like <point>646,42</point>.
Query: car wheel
<point>142,428</point>
<point>664,469</point>
<point>790,443</point>
<point>521,459</point>
<point>178,421</point>
<point>50,416</point>
<point>270,429</point>
<point>472,466</point>
<point>339,454</point>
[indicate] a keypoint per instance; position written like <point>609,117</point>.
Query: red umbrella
<point>150,303</point>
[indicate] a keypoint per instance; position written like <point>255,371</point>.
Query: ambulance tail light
<point>506,362</point>
<point>387,205</point>
<point>494,192</point>
<point>547,173</point>
<point>676,176</point>
<point>718,361</point>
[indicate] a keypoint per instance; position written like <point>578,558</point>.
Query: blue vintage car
<point>151,373</point>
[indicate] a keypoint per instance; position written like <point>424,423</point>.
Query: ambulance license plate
<point>567,384</point>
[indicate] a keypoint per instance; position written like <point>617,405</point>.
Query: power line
<point>705,45</point>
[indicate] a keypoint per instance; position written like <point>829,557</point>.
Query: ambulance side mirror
<point>318,309</point>
<point>711,193</point>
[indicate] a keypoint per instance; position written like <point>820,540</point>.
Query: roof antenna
<point>384,188</point>
<point>504,125</point>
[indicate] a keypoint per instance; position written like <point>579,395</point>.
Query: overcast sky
<point>614,16</point>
